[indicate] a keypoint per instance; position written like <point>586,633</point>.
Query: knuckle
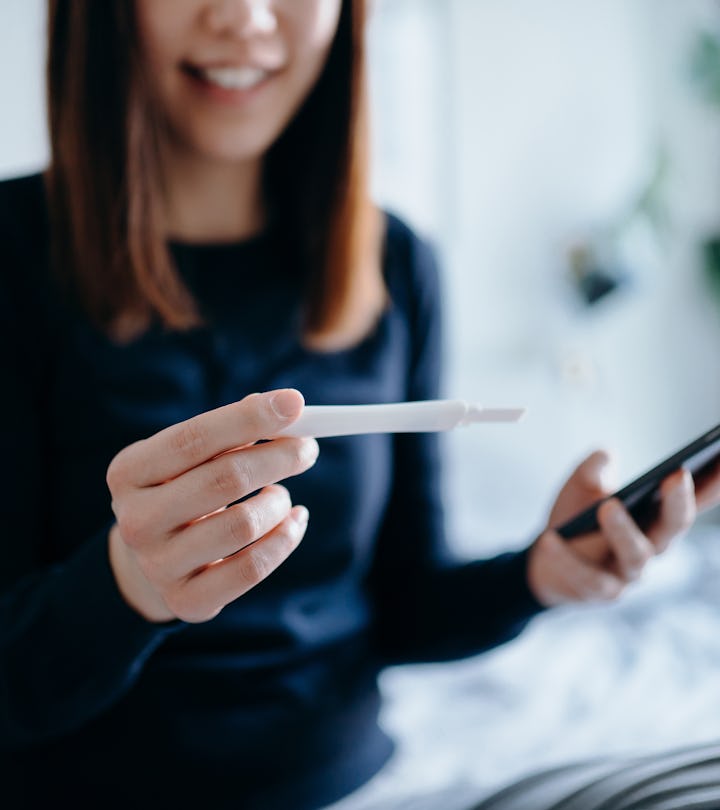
<point>189,438</point>
<point>231,475</point>
<point>113,476</point>
<point>241,473</point>
<point>118,471</point>
<point>545,543</point>
<point>554,546</point>
<point>154,568</point>
<point>255,566</point>
<point>244,524</point>
<point>131,527</point>
<point>181,604</point>
<point>178,605</point>
<point>115,506</point>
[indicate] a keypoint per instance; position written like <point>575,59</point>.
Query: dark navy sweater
<point>274,703</point>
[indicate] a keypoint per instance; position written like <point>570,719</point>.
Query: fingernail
<point>301,516</point>
<point>681,488</point>
<point>687,485</point>
<point>285,403</point>
<point>605,473</point>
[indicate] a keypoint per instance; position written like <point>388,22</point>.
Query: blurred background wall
<point>517,135</point>
<point>526,139</point>
<point>23,140</point>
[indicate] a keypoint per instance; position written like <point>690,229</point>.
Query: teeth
<point>242,78</point>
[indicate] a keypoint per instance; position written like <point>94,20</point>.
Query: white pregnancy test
<point>425,416</point>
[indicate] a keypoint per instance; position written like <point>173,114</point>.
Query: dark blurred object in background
<point>594,277</point>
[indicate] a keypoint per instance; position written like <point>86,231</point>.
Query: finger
<point>210,539</point>
<point>560,575</point>
<point>224,480</point>
<point>707,486</point>
<point>596,473</point>
<point>593,548</point>
<point>677,509</point>
<point>183,446</point>
<point>224,533</point>
<point>589,481</point>
<point>630,547</point>
<point>204,595</point>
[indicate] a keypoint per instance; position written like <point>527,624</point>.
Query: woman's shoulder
<point>23,218</point>
<point>24,240</point>
<point>22,201</point>
<point>406,243</point>
<point>410,259</point>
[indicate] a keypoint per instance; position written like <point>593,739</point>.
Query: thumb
<point>592,479</point>
<point>596,473</point>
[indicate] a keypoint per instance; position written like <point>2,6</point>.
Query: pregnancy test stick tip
<point>476,413</point>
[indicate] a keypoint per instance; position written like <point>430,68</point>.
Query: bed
<point>633,677</point>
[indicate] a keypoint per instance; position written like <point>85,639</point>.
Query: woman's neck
<point>212,201</point>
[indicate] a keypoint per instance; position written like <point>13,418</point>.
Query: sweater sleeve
<point>69,644</point>
<point>429,605</point>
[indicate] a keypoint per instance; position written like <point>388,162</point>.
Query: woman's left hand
<point>598,566</point>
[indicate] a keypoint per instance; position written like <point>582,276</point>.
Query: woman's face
<point>229,75</point>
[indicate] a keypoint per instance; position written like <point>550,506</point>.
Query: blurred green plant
<point>705,66</point>
<point>705,75</point>
<point>711,251</point>
<point>650,202</point>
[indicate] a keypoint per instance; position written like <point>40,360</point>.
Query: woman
<point>204,231</point>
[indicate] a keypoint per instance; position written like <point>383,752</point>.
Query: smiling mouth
<point>229,78</point>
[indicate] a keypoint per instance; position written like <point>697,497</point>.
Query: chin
<point>233,147</point>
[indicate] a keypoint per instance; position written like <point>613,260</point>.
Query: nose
<point>242,18</point>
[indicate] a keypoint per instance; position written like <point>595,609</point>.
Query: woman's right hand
<point>179,550</point>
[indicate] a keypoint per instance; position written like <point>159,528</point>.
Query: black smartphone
<point>641,496</point>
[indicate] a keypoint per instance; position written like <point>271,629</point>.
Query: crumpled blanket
<point>637,677</point>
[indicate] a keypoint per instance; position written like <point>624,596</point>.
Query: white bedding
<point>636,676</point>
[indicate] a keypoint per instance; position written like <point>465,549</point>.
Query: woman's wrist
<point>132,583</point>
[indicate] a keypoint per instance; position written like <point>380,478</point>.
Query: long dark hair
<point>104,185</point>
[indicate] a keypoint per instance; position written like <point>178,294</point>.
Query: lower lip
<point>225,95</point>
